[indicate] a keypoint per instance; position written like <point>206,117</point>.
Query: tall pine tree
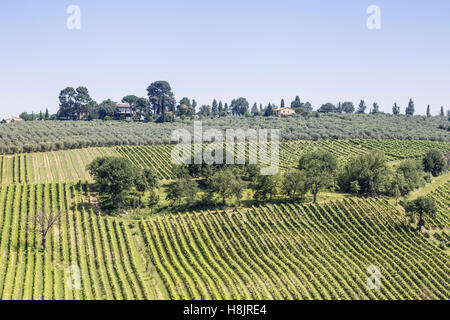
<point>395,109</point>
<point>362,107</point>
<point>410,109</point>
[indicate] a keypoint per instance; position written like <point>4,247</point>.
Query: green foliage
<point>319,169</point>
<point>410,176</point>
<point>221,184</point>
<point>183,190</point>
<point>239,107</point>
<point>294,183</point>
<point>367,174</point>
<point>74,103</point>
<point>266,187</point>
<point>327,108</point>
<point>161,97</point>
<point>410,108</point>
<point>395,109</point>
<point>107,108</point>
<point>434,162</point>
<point>362,107</point>
<point>422,206</point>
<point>113,177</point>
<point>348,107</point>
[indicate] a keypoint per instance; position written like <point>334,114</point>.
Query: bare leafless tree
<point>43,222</point>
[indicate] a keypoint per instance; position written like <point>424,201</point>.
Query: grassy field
<point>271,251</point>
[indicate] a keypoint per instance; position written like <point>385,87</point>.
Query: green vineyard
<point>273,251</point>
<point>70,165</point>
<point>288,251</point>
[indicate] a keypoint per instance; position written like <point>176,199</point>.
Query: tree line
<point>160,106</point>
<point>368,175</point>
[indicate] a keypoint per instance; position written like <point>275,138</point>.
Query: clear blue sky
<point>320,50</point>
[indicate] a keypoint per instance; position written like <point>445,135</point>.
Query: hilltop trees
<point>428,111</point>
<point>107,109</point>
<point>362,107</point>
<point>348,107</point>
<point>185,109</point>
<point>239,107</point>
<point>395,109</point>
<point>268,112</point>
<point>74,103</point>
<point>376,108</point>
<point>255,110</point>
<point>131,100</point>
<point>161,97</point>
<point>410,109</point>
<point>327,108</point>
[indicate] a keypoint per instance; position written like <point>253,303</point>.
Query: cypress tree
<point>410,109</point>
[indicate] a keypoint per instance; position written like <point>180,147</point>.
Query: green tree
<point>205,111</point>
<point>266,187</point>
<point>327,108</point>
<point>220,183</point>
<point>146,180</point>
<point>113,176</point>
<point>183,189</point>
<point>142,107</point>
<point>348,107</point>
<point>215,108</point>
<point>282,105</point>
<point>410,172</point>
<point>410,109</point>
<point>238,187</point>
<point>434,162</point>
<point>442,111</point>
<point>268,112</point>
<point>107,108</point>
<point>319,169</point>
<point>239,107</point>
<point>417,209</point>
<point>294,183</point>
<point>161,97</point>
<point>255,111</point>
<point>370,171</point>
<point>74,104</point>
<point>428,111</point>
<point>131,100</point>
<point>395,109</point>
<point>376,108</point>
<point>362,107</point>
<point>185,108</point>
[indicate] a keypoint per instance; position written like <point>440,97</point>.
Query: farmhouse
<point>124,110</point>
<point>12,120</point>
<point>283,112</point>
